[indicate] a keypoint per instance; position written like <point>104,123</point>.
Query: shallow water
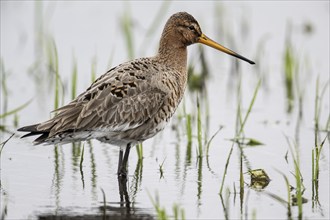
<point>43,182</point>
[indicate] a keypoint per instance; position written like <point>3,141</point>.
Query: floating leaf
<point>254,142</point>
<point>246,141</point>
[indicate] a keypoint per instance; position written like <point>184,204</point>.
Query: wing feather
<point>118,102</point>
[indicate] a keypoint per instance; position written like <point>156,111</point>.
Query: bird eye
<point>191,27</point>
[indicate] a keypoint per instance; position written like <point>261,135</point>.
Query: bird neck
<point>173,53</point>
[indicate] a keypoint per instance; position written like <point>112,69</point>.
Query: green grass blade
<point>4,89</point>
<point>250,107</point>
<point>74,79</point>
<point>199,130</point>
<point>211,139</point>
<point>226,168</point>
<point>93,69</point>
<point>15,110</point>
<point>189,130</point>
<point>139,150</point>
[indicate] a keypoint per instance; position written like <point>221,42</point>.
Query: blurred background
<point>247,141</point>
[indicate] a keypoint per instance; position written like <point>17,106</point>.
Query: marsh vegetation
<point>247,142</point>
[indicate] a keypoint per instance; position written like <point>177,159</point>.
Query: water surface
<point>41,182</point>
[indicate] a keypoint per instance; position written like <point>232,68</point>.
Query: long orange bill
<point>209,42</point>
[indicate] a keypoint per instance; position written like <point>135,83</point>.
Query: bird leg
<point>124,197</point>
<point>122,163</point>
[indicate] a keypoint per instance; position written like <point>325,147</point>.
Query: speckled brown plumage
<point>134,100</point>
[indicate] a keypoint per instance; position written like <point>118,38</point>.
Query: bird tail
<point>33,129</point>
